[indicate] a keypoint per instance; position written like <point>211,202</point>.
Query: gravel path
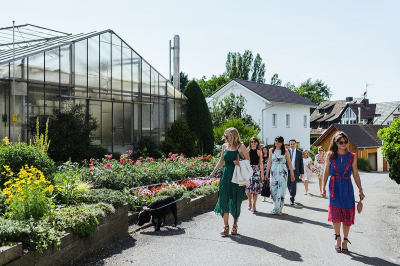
<point>302,235</point>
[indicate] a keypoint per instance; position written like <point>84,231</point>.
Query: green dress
<point>230,195</point>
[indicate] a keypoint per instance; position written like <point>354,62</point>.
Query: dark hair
<point>281,140</point>
<point>292,140</point>
<point>258,143</point>
<point>333,147</point>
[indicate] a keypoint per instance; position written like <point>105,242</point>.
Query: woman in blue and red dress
<point>339,164</point>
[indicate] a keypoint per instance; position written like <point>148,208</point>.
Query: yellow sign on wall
<point>14,117</point>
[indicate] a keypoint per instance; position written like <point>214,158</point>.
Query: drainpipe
<point>262,120</point>
<point>359,115</point>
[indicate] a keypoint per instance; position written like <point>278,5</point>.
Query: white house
<point>278,110</point>
<point>386,113</point>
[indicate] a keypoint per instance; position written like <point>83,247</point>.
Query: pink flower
<point>161,166</point>
<point>168,159</point>
<point>130,161</point>
<point>91,160</point>
<point>104,160</point>
<point>180,163</point>
<point>104,168</point>
<point>130,152</point>
<point>91,170</point>
<point>138,163</point>
<point>140,158</point>
<point>121,161</point>
<point>192,165</point>
<point>188,166</point>
<point>109,156</point>
<point>144,170</point>
<point>170,154</point>
<point>91,164</point>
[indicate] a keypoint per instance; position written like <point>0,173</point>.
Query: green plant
<point>391,147</point>
<point>35,235</point>
<point>5,142</point>
<point>68,178</point>
<point>199,117</point>
<point>2,203</point>
<point>19,154</point>
<point>363,164</point>
<point>116,198</point>
<point>28,194</point>
<point>39,140</point>
<point>245,132</point>
<point>184,139</point>
<point>176,192</point>
<point>147,147</point>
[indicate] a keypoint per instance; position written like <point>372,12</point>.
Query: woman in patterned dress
<point>278,156</point>
<point>319,165</point>
<point>339,164</point>
<point>253,188</point>
<point>307,170</point>
<point>230,195</point>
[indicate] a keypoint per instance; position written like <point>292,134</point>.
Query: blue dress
<point>341,192</point>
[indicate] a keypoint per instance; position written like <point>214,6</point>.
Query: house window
<point>388,123</point>
<point>274,120</point>
<point>287,120</point>
<point>305,121</point>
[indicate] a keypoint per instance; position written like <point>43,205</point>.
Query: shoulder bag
<point>243,171</point>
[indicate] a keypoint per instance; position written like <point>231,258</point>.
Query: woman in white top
<point>307,170</point>
<point>319,166</point>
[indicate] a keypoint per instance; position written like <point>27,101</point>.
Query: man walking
<point>298,168</point>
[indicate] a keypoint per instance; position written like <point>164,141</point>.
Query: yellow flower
<point>29,182</point>
<point>52,206</point>
<point>6,183</point>
<point>21,199</point>
<point>37,182</point>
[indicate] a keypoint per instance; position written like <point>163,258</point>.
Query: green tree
<point>199,117</point>
<point>391,148</point>
<point>316,92</point>
<point>210,86</point>
<point>240,66</point>
<point>275,80</point>
<point>231,107</point>
<point>181,139</point>
<point>183,80</point>
<point>245,132</point>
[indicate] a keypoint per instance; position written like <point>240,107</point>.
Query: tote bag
<point>242,172</point>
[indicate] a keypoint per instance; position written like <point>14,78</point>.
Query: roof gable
<point>274,93</point>
<point>384,110</point>
<point>358,136</point>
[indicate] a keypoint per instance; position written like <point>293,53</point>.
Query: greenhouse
<point>54,70</point>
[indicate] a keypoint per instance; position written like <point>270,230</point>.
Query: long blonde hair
<point>235,138</point>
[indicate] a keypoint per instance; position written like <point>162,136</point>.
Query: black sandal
<point>338,249</point>
<point>345,250</point>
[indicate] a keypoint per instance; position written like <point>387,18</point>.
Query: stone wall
<point>72,247</point>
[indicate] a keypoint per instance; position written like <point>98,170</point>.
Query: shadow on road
<point>301,206</point>
<point>165,231</point>
<point>286,254</point>
<point>369,260</point>
<point>294,219</point>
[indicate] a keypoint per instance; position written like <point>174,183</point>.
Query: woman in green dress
<point>230,194</point>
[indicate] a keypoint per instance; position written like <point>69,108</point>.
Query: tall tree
<point>316,92</point>
<point>199,116</point>
<point>390,149</point>
<point>258,70</point>
<point>210,86</point>
<point>230,107</point>
<point>275,80</point>
<point>183,80</point>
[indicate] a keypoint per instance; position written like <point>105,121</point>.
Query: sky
<point>346,44</point>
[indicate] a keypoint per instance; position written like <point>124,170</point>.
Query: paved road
<point>302,235</point>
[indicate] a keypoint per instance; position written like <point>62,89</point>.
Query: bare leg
<point>306,185</point>
<point>249,198</point>
<point>226,219</point>
<point>336,227</point>
<point>255,196</point>
<point>346,230</point>
<point>320,185</point>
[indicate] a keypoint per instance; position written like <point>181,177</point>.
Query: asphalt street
<point>302,235</point>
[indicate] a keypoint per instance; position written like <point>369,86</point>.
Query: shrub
<point>2,203</point>
<point>116,198</point>
<point>184,138</point>
<point>70,133</point>
<point>202,191</point>
<point>68,178</point>
<point>390,149</point>
<point>20,154</point>
<point>28,194</point>
<point>176,192</point>
<point>147,147</point>
<point>363,164</point>
<point>97,152</point>
<point>199,117</point>
<point>34,235</point>
<point>245,132</point>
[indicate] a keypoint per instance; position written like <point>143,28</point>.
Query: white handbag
<point>242,172</point>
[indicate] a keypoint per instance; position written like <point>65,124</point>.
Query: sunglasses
<point>278,141</point>
<point>342,142</point>
<point>252,141</point>
<point>225,136</point>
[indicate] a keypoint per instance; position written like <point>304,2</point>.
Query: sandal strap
<point>347,240</point>
<point>336,236</point>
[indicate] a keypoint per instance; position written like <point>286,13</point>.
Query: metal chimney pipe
<point>359,115</point>
<point>176,62</point>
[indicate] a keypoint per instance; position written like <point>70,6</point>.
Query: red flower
<point>121,161</point>
<point>91,160</point>
<point>130,152</point>
<point>91,170</point>
<point>109,156</point>
<point>170,154</point>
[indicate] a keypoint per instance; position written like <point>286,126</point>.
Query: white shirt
<point>293,158</point>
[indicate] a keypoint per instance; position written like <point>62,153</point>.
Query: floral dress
<point>341,193</point>
<point>278,180</point>
<point>255,185</point>
<point>319,165</point>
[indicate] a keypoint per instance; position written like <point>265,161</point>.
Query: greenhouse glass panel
<point>81,64</point>
<point>116,67</point>
<point>35,102</point>
<point>36,67</point>
<point>170,90</point>
<point>162,84</point>
<point>106,124</point>
<point>126,74</point>
<point>178,110</point>
<point>154,82</point>
<point>136,75</point>
<point>184,109</point>
<point>105,66</point>
<point>52,65</point>
<point>171,111</point>
<point>145,78</point>
<point>155,125</point>
<point>95,111</point>
<point>118,123</point>
<point>66,65</point>
<point>5,116</point>
<point>51,100</point>
<point>137,114</point>
<point>4,71</point>
<point>20,69</point>
<point>163,118</point>
<point>94,67</point>
<point>128,125</point>
<point>178,94</point>
<point>21,110</point>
